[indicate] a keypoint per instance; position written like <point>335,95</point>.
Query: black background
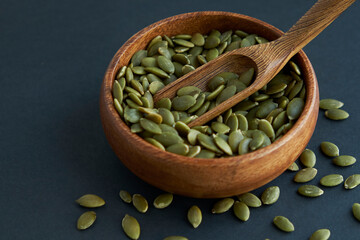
<point>53,55</point>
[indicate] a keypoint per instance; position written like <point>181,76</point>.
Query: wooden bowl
<point>205,178</point>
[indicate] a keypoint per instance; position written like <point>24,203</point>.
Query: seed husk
<point>310,191</point>
<point>321,234</point>
<point>86,220</point>
<point>283,224</point>
<point>329,149</point>
<point>270,195</point>
<point>194,216</point>
<point>223,205</point>
<point>131,227</point>
<point>356,210</point>
<point>241,211</point>
<point>163,200</point>
<point>308,158</point>
<point>90,201</point>
<point>250,200</point>
<point>175,238</point>
<point>331,180</point>
<point>352,181</point>
<point>125,196</point>
<point>329,103</point>
<point>344,160</point>
<point>140,203</point>
<point>336,114</point>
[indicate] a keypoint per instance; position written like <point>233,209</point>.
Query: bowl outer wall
<point>205,178</point>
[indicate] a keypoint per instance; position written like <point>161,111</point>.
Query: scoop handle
<point>315,20</point>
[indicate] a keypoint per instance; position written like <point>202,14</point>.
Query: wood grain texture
<point>268,59</point>
<point>205,178</point>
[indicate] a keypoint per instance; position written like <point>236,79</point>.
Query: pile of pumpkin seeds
<point>252,124</point>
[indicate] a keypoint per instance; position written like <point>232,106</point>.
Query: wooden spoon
<point>268,59</point>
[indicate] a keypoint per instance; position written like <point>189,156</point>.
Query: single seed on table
<point>329,103</point>
<point>331,180</point>
<point>131,227</point>
<point>140,203</point>
<point>336,114</point>
<point>250,200</point>
<point>344,160</point>
<point>321,234</point>
<point>86,220</point>
<point>125,196</point>
<point>308,158</point>
<point>356,210</point>
<point>194,216</point>
<point>163,200</point>
<point>241,211</point>
<point>310,191</point>
<point>293,167</point>
<point>222,205</point>
<point>305,175</point>
<point>283,224</point>
<point>90,201</point>
<point>270,195</point>
<point>352,181</point>
<point>175,238</point>
<point>329,149</point>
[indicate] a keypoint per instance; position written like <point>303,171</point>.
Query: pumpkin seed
<point>352,181</point>
<point>234,140</point>
<point>175,238</point>
<point>265,108</point>
<point>121,72</point>
<point>155,143</point>
<point>244,146</point>
<point>194,151</point>
<point>150,126</point>
<point>305,175</point>
<point>344,160</point>
<point>186,69</point>
<point>227,93</point>
<point>208,142</point>
<point>329,149</point>
<point>212,54</point>
<point>356,211</point>
<point>164,103</point>
<point>220,127</point>
<point>182,128</point>
<point>140,203</point>
<point>257,140</point>
<point>266,127</point>
<point>241,211</point>
<point>223,145</point>
<point>211,42</point>
<point>293,167</point>
<point>194,216</point>
<point>247,76</point>
<point>86,220</point>
<point>215,93</point>
<point>183,103</point>
<point>118,107</point>
<point>157,71</point>
<point>336,114</point>
<point>205,154</point>
<point>125,196</point>
<point>198,39</point>
<point>215,82</point>
<point>163,200</point>
<point>283,224</point>
<point>310,191</point>
<point>250,200</point>
<point>131,227</point>
<point>321,234</point>
<point>329,103</point>
<point>154,87</point>
<point>165,64</point>
<point>117,91</point>
<point>90,201</point>
<point>270,195</point>
<point>183,42</point>
<point>167,116</point>
<point>222,205</point>
<point>294,108</point>
<point>308,158</point>
<point>129,75</point>
<point>149,62</point>
<point>178,148</point>
<point>168,138</point>
<point>331,180</point>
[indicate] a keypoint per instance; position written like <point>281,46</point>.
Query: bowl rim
<point>228,160</point>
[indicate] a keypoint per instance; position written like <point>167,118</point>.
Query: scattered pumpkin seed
<point>163,200</point>
<point>329,103</point>
<point>336,114</point>
<point>241,211</point>
<point>329,149</point>
<point>321,234</point>
<point>308,158</point>
<point>175,238</point>
<point>270,195</point>
<point>310,191</point>
<point>250,200</point>
<point>222,205</point>
<point>293,167</point>
<point>140,203</point>
<point>344,160</point>
<point>131,227</point>
<point>90,201</point>
<point>283,224</point>
<point>356,210</point>
<point>194,216</point>
<point>86,220</point>
<point>331,180</point>
<point>352,181</point>
<point>125,196</point>
<point>305,175</point>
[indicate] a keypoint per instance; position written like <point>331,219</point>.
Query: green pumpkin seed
<point>321,234</point>
<point>118,92</point>
<point>276,88</point>
<point>150,126</point>
<point>167,116</point>
<point>86,220</point>
<point>139,70</point>
<point>194,216</point>
<point>164,52</point>
<point>208,142</point>
<point>331,180</point>
<point>90,201</point>
<point>257,140</point>
<point>232,122</point>
<point>184,43</point>
<point>280,120</point>
<point>204,153</point>
<point>131,227</point>
<point>167,128</point>
<point>234,140</point>
<point>293,167</point>
<point>223,145</point>
<point>140,203</point>
<point>336,114</point>
<point>154,48</point>
<point>245,43</point>
<point>136,128</point>
<point>296,90</point>
<point>294,108</point>
<point>182,128</point>
<point>329,103</point>
<point>183,103</point>
<point>329,149</point>
<point>157,71</point>
<point>222,205</point>
<point>265,108</point>
<point>165,64</point>
<point>181,49</point>
<point>194,151</point>
<point>244,146</point>
<point>305,175</point>
<point>154,87</point>
<point>261,40</point>
<point>186,69</point>
<point>243,122</point>
<point>192,136</point>
<point>232,46</point>
<point>215,93</point>
<point>175,238</point>
<point>155,143</point>
<point>168,138</point>
<point>211,42</point>
<point>189,90</point>
<point>129,75</point>
<point>220,127</point>
<point>241,211</point>
<point>118,107</point>
<point>199,102</point>
<point>241,33</point>
<point>308,158</point>
<point>283,224</point>
<point>164,103</point>
<point>344,160</point>
<point>266,127</point>
<point>125,196</point>
<point>163,200</point>
<point>227,93</point>
<point>135,99</point>
<point>178,148</point>
<point>250,200</point>
<point>121,72</point>
<point>310,191</point>
<point>198,39</point>
<point>181,58</point>
<point>215,82</point>
<point>352,181</point>
<point>270,195</point>
<point>356,211</point>
<point>247,76</point>
<point>149,62</point>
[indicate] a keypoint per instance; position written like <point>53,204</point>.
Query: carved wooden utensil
<point>268,59</point>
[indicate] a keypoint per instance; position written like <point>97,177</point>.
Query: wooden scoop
<point>267,59</point>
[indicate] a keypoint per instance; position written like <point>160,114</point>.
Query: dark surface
<point>53,55</point>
